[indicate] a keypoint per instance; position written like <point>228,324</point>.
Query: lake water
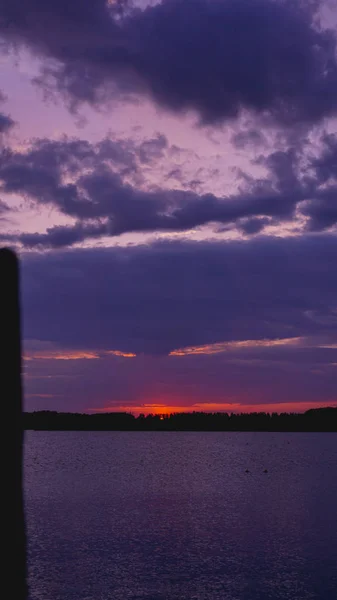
<point>174,516</point>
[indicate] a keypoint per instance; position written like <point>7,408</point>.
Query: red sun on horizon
<point>163,410</point>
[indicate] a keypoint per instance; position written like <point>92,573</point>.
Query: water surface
<point>175,516</point>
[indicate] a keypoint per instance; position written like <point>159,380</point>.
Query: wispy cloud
<point>237,345</point>
<point>122,354</point>
<point>74,354</point>
<point>61,355</point>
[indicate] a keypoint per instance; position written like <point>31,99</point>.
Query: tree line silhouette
<point>321,419</point>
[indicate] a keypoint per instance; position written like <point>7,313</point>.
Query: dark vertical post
<point>14,575</point>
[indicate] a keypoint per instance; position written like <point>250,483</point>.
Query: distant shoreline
<point>314,420</point>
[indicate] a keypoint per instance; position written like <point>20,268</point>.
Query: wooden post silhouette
<point>13,582</point>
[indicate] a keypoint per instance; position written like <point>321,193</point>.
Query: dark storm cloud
<point>121,209</point>
<point>88,183</point>
<point>160,297</point>
<point>39,173</point>
<point>322,210</point>
<point>314,187</point>
<point>153,148</point>
<point>6,123</point>
<point>321,206</point>
<point>283,167</point>
<point>60,236</point>
<point>325,165</point>
<point>244,139</point>
<point>215,57</point>
<point>3,207</point>
<point>253,225</point>
<point>120,152</point>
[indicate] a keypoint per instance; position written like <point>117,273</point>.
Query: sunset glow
<point>161,409</point>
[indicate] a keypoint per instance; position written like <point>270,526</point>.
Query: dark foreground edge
<point>323,419</point>
<point>14,582</point>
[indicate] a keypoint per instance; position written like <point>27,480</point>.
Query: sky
<point>168,177</point>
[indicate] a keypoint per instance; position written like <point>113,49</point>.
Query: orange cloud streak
<point>226,346</point>
<point>61,355</point>
<point>74,354</point>
<point>119,353</point>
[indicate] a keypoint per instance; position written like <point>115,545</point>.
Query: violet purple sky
<point>168,175</point>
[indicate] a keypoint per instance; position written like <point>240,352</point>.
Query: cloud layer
<point>271,57</point>
<point>243,322</point>
<point>161,297</point>
<point>89,184</point>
